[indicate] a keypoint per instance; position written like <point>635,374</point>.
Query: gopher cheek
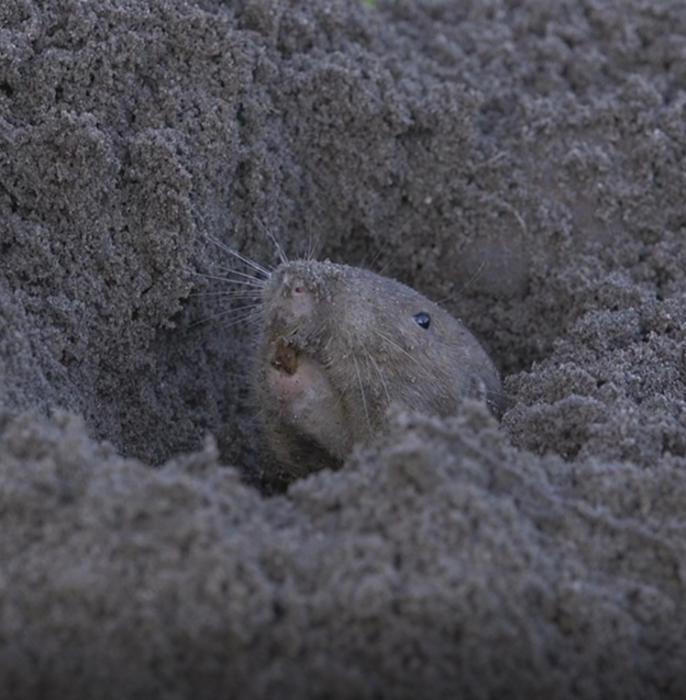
<point>310,405</point>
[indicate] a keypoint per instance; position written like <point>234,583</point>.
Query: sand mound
<point>523,161</point>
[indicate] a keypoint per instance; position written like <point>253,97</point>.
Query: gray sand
<point>525,162</point>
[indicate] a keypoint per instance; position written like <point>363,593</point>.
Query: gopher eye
<point>423,319</point>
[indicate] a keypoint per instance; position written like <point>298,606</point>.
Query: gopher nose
<point>298,295</point>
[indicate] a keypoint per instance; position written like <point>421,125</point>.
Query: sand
<point>524,162</point>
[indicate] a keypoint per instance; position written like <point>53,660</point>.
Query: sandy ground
<point>522,160</point>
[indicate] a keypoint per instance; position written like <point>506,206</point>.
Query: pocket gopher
<point>339,345</point>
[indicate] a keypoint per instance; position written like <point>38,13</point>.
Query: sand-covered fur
<point>521,162</point>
